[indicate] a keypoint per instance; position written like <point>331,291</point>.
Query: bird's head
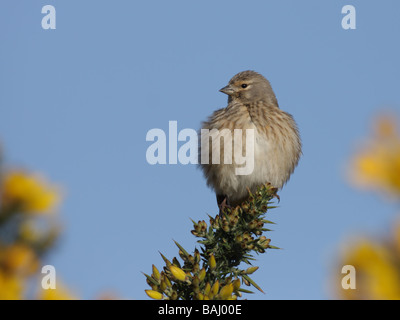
<point>249,86</point>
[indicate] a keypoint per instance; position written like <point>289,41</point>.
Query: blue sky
<point>76,104</point>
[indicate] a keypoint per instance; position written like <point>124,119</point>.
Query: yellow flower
<point>10,287</point>
<point>212,263</point>
<point>251,270</point>
<point>27,192</point>
<point>200,296</point>
<point>396,238</point>
<point>154,294</point>
<point>60,293</point>
<point>156,274</point>
<point>226,291</point>
<point>377,276</point>
<point>178,273</point>
<point>236,285</point>
<point>377,166</point>
<point>207,289</point>
<point>18,259</point>
<point>214,289</point>
<point>385,127</point>
<point>202,274</point>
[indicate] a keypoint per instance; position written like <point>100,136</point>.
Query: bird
<point>277,145</point>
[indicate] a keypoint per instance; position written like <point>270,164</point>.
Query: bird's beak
<point>227,90</point>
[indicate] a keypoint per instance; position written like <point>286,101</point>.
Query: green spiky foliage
<point>224,262</point>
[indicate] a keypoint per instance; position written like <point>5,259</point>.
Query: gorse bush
<point>223,262</point>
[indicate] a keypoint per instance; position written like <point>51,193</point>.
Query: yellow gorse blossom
<point>154,294</point>
<point>10,286</point>
<point>59,293</point>
<point>215,288</point>
<point>18,259</point>
<point>236,285</point>
<point>212,262</point>
<point>25,236</point>
<point>376,262</point>
<point>28,192</point>
<point>212,272</point>
<point>377,165</point>
<point>226,291</point>
<point>378,276</point>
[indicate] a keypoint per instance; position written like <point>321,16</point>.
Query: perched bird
<point>277,146</point>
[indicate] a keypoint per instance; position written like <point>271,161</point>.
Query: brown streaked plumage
<point>277,147</point>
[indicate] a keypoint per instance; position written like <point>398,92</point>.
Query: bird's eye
<point>244,85</point>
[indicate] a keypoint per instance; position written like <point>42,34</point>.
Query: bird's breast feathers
<point>273,139</point>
